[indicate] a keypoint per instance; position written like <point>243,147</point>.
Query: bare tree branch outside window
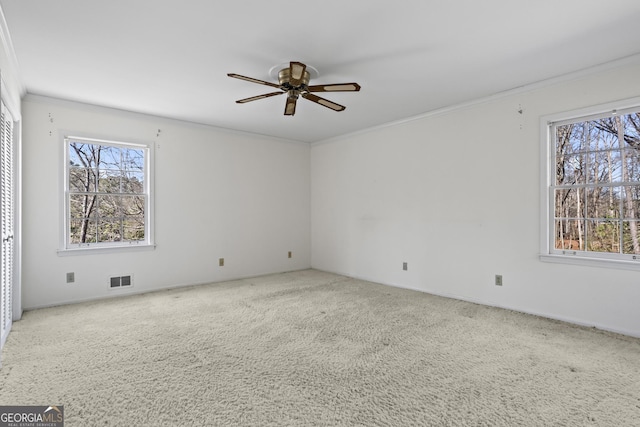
<point>106,193</point>
<point>597,185</point>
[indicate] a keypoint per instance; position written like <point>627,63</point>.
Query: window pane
<point>570,139</point>
<point>133,230</point>
<point>570,203</point>
<point>133,206</point>
<point>84,155</point>
<point>82,231</point>
<point>630,239</point>
<point>110,230</point>
<point>82,179</point>
<point>569,235</point>
<point>632,164</point>
<point>133,182</point>
<point>631,202</point>
<point>109,206</point>
<point>110,158</point>
<point>109,181</point>
<point>133,214</point>
<point>604,167</point>
<point>602,202</point>
<point>82,206</point>
<point>75,227</point>
<point>133,160</point>
<point>603,236</point>
<point>571,169</point>
<point>74,157</point>
<point>600,136</point>
<point>632,126</point>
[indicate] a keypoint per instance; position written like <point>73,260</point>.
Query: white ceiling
<point>171,59</point>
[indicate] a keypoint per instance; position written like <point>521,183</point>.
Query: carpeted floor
<point>316,349</point>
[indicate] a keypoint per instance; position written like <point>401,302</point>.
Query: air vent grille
<point>120,282</point>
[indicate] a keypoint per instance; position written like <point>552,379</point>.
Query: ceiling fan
<point>294,81</point>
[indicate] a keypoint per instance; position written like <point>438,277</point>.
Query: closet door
<point>6,221</point>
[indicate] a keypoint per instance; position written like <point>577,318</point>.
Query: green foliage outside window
<point>597,185</point>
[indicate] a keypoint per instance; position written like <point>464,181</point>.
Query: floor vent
<point>120,282</point>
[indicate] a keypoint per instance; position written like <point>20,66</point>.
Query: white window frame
<point>548,252</point>
<point>67,248</point>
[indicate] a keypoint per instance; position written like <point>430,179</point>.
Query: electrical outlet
<point>498,279</point>
<point>290,254</point>
<point>71,277</point>
<point>405,266</point>
<point>221,262</point>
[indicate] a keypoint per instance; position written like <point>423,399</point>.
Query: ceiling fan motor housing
<point>284,77</point>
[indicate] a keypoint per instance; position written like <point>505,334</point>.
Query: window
<point>593,186</point>
<point>107,194</point>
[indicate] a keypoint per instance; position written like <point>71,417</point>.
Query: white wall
<point>372,201</point>
<point>456,196</point>
<point>219,194</point>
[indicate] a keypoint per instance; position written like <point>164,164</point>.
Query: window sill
<point>105,250</point>
<point>590,262</point>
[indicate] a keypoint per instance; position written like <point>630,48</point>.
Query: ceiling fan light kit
<point>294,81</point>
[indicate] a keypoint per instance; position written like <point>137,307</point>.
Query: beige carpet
<point>316,349</point>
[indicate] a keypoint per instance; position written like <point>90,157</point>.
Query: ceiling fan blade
<point>290,106</point>
<point>296,73</point>
<point>336,87</point>
<point>324,102</point>
<point>255,98</point>
<point>252,80</point>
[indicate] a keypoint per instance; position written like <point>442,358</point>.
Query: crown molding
<point>102,109</point>
<point>575,75</point>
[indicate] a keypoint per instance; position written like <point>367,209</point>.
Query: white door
<point>6,222</point>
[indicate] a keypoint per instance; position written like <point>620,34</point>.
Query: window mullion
<point>115,192</point>
<point>590,175</point>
